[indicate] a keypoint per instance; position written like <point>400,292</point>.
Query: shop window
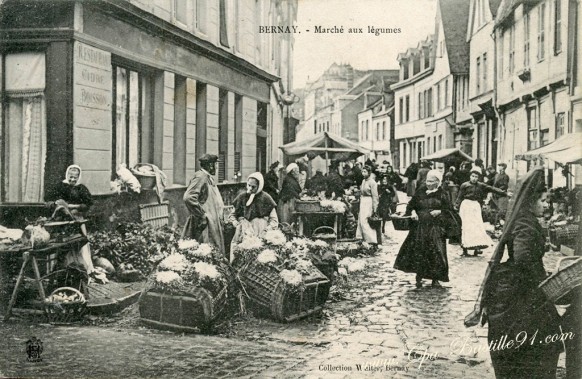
<point>222,135</point>
<point>238,132</point>
<point>262,110</point>
<point>179,167</point>
<point>201,107</point>
<point>132,102</point>
<point>23,152</point>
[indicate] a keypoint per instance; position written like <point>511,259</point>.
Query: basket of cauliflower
<point>65,305</point>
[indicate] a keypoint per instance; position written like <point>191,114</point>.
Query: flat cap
<point>210,158</point>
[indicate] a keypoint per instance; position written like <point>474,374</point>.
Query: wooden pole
<point>326,154</point>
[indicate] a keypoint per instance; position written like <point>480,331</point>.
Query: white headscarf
<point>259,178</point>
<point>291,167</point>
<point>73,167</point>
<point>435,174</point>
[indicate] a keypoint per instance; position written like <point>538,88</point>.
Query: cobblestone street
<point>385,327</point>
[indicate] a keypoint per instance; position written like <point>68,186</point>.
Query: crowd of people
<point>444,204</point>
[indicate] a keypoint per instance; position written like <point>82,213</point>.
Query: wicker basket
<point>307,206</point>
<point>563,234</point>
<point>147,181</point>
<point>566,278</point>
<point>270,295</point>
<point>401,222</point>
<point>185,311</point>
<point>327,263</point>
<point>65,312</point>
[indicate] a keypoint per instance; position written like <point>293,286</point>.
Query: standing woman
<point>290,191</point>
<point>471,195</point>
<point>387,193</point>
<point>424,251</point>
<point>511,301</point>
<point>368,206</point>
<point>76,198</point>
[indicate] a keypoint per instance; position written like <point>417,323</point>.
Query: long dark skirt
<point>424,252</point>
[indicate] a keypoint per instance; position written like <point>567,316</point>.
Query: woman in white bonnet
<point>424,251</point>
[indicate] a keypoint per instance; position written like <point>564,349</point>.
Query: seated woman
<point>74,199</point>
<point>254,211</point>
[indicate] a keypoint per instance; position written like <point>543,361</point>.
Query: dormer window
<point>416,65</point>
<point>404,69</point>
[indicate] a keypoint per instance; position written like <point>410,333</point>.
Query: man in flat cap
<point>205,205</point>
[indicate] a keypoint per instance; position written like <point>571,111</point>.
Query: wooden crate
<point>307,206</point>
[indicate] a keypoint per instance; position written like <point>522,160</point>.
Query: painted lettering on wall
<point>93,56</point>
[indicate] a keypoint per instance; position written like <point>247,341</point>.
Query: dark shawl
<point>290,189</point>
<point>261,206</point>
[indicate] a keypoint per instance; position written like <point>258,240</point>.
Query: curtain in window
<point>25,145</point>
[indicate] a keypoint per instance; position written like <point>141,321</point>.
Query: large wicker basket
<point>190,310</point>
<point>269,294</point>
<point>59,312</point>
<point>183,311</point>
<point>566,278</point>
<point>563,234</point>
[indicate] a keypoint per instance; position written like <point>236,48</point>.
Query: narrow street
<point>385,327</point>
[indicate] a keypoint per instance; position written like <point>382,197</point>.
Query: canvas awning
<point>564,150</point>
<point>448,155</point>
<point>326,145</point>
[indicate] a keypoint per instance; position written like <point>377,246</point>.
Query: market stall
<point>316,210</point>
<point>326,145</point>
<point>563,227</point>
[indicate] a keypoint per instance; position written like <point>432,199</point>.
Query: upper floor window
<point>439,103</point>
<point>401,110</point>
<point>560,122</point>
<point>377,131</point>
<point>500,54</point>
<point>526,33</point>
<point>223,23</point>
<point>181,11</point>
<point>383,130</point>
<point>557,26</point>
<point>420,106</point>
<point>23,153</point>
<point>446,92</point>
<point>404,67</point>
<point>484,72</point>
<point>201,13</point>
<point>532,126</point>
<point>407,105</point>
<point>478,76</point>
<point>511,49</point>
<point>541,31</point>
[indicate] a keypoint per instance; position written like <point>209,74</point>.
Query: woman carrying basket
<point>510,300</point>
<point>424,251</point>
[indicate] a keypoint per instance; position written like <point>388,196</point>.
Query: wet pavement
<point>383,326</point>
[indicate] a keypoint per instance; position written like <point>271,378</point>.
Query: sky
<point>315,52</point>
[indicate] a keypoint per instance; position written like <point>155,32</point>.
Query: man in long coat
<point>205,205</point>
